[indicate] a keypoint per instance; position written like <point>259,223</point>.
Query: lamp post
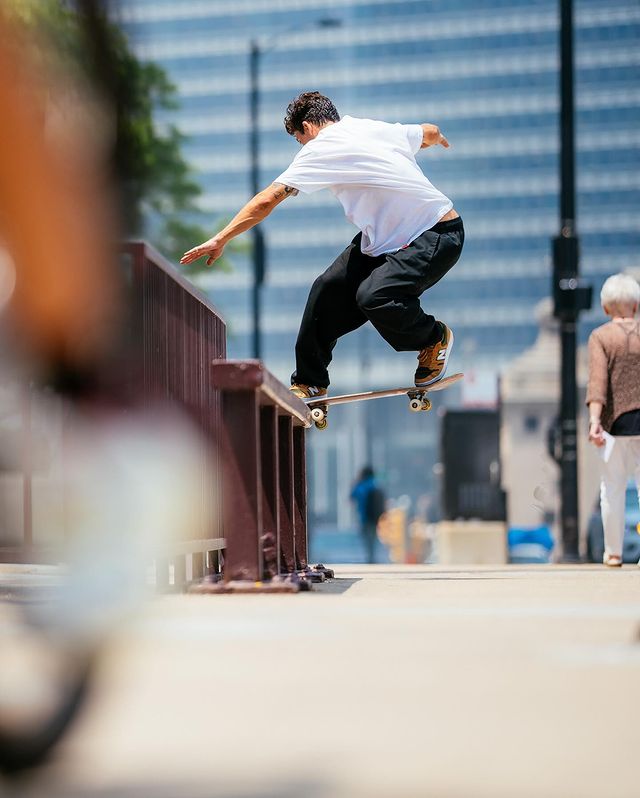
<point>256,51</point>
<point>570,295</point>
<point>258,238</point>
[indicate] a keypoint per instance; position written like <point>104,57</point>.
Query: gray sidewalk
<point>390,681</point>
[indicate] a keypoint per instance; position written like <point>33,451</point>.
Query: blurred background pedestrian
<point>370,503</point>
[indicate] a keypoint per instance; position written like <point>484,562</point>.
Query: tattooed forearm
<point>281,191</point>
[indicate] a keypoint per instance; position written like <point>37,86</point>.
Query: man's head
<point>366,473</point>
<point>620,295</point>
<point>308,114</point>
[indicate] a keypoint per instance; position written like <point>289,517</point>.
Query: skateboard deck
<point>418,399</point>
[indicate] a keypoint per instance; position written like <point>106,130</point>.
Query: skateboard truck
<point>319,416</point>
<point>418,401</point>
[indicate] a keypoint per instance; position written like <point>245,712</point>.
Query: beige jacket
<point>614,369</point>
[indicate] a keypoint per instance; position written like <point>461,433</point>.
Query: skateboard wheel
<point>322,424</point>
<point>426,404</point>
<point>415,405</point>
<point>318,414</point>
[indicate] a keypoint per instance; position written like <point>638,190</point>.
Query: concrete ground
<point>389,681</point>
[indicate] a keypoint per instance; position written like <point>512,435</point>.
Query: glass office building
<point>486,71</point>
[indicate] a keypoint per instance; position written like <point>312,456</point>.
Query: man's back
<point>371,168</point>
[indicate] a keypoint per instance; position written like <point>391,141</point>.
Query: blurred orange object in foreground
<point>55,212</point>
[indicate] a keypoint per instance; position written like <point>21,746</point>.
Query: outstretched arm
<point>257,209</point>
<point>431,135</point>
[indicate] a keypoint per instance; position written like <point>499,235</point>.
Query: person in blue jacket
<point>369,499</point>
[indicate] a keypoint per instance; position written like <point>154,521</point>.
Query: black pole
<point>258,254</point>
<point>567,131</point>
<point>569,295</point>
<point>566,268</point>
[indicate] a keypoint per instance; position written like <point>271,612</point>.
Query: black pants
<point>384,290</point>
<point>369,533</point>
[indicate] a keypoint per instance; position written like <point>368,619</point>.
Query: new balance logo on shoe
<point>441,354</point>
<point>307,391</point>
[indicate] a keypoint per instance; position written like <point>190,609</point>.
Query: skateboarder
<point>410,236</point>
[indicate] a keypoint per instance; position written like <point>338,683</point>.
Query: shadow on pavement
<point>37,789</point>
<point>450,576</point>
<point>450,573</point>
<point>336,585</point>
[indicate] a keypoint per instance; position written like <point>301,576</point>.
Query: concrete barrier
<point>472,542</point>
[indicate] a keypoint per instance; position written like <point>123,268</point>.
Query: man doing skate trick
<point>410,236</point>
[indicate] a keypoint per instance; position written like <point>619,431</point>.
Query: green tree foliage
<point>158,187</point>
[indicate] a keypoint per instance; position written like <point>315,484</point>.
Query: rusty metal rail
<point>180,333</point>
<point>264,471</point>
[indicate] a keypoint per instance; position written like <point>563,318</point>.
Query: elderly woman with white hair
<point>613,398</point>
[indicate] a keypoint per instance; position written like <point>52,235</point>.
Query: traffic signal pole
<point>570,295</point>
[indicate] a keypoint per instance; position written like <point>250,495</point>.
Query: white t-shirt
<point>371,168</point>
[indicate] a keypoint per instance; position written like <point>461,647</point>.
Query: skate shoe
<point>307,391</point>
<point>432,361</point>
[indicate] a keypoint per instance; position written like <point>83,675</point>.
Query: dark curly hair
<point>310,106</point>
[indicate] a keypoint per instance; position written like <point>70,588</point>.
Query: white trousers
<point>623,462</point>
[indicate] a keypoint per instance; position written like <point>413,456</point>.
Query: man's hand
<point>211,248</point>
<point>431,135</point>
<point>257,209</point>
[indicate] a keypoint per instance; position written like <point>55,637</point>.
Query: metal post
<point>568,296</point>
<point>258,239</point>
<point>567,151</point>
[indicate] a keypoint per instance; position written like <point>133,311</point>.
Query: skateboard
<point>418,399</point>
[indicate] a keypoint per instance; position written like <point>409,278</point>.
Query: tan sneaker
<point>432,361</point>
<point>307,391</point>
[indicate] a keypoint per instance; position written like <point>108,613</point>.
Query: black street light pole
<point>259,254</point>
<point>570,295</point>
<point>258,238</point>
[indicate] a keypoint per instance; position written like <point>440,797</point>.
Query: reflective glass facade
<point>486,71</point>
